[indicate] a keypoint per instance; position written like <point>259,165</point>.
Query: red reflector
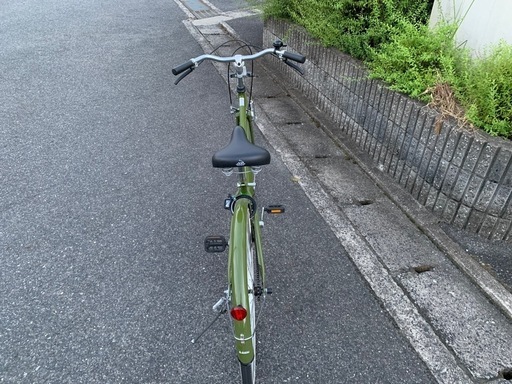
<point>238,313</point>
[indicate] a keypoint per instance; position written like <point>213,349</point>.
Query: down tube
<point>259,248</point>
<point>238,248</point>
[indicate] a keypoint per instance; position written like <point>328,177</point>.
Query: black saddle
<point>240,152</point>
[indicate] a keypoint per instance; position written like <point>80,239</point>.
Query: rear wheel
<point>248,373</point>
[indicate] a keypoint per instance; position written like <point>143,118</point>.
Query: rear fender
<point>239,245</point>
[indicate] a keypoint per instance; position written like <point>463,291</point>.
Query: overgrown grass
<point>354,26</point>
<point>391,36</point>
<point>417,58</point>
<point>487,92</point>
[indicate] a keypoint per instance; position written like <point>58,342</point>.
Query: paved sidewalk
<point>451,323</point>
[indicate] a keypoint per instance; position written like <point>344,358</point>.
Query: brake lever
<point>294,66</point>
<point>184,74</point>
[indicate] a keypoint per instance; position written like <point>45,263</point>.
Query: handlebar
<point>294,56</point>
<point>183,67</point>
<point>238,59</point>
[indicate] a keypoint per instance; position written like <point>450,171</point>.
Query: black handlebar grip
<point>182,68</point>
<point>294,56</point>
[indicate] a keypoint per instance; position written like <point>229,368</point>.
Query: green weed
<point>393,38</point>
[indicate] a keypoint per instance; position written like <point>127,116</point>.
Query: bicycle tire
<point>248,371</point>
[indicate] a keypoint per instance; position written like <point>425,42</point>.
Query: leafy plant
<point>420,61</point>
<point>417,58</point>
<point>353,26</point>
<point>392,37</point>
<point>488,91</point>
<point>277,8</point>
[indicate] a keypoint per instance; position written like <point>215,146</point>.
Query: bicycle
<point>246,267</point>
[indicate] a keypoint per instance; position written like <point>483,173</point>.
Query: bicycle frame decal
<point>243,119</point>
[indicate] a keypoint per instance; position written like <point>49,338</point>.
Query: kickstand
<point>207,328</point>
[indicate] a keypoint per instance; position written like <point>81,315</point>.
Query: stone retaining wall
<point>464,177</point>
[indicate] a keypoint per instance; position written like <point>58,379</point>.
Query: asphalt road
<point>106,195</point>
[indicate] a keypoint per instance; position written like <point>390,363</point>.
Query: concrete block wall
<point>464,177</point>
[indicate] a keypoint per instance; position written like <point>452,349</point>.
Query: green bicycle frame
<point>244,225</point>
<point>246,268</point>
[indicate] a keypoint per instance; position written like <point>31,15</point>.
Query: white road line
<point>224,17</point>
<point>211,6</point>
<point>189,14</point>
<point>220,18</point>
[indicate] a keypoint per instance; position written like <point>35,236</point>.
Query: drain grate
<point>199,9</point>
